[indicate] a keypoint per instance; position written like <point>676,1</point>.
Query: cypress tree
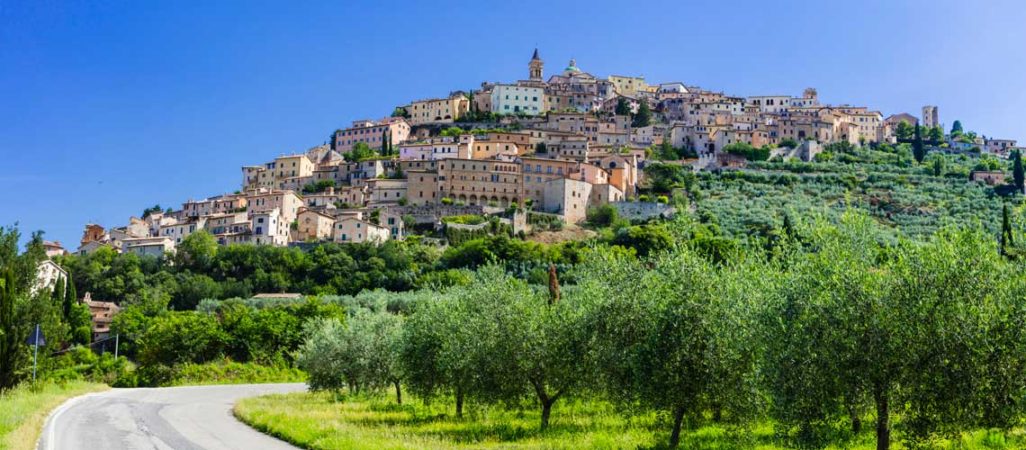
<point>1007,240</point>
<point>1017,172</point>
<point>70,298</point>
<point>11,332</point>
<point>644,116</point>
<point>917,145</point>
<point>57,297</point>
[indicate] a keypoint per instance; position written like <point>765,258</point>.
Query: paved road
<point>179,418</point>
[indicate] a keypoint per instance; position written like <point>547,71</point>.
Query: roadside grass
<point>323,421</point>
<point>231,372</point>
<point>23,410</point>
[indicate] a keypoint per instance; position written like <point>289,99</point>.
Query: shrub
<point>602,215</point>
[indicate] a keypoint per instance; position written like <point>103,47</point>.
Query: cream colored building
<point>230,228</point>
<point>489,149</point>
<point>438,110</point>
<point>178,231</point>
<point>286,202</point>
<point>355,231</point>
<point>271,175</point>
<point>314,226</point>
<point>149,246</point>
<point>441,147</point>
<point>385,191</point>
<point>354,196</point>
<point>568,198</point>
<point>372,133</point>
<point>480,182</point>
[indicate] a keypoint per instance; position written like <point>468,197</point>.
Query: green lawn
<point>24,409</point>
<point>317,421</point>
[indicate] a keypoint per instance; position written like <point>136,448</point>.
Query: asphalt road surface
<point>179,418</point>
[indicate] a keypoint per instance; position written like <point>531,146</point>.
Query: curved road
<point>179,418</point>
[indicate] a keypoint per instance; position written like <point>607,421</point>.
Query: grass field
<point>318,421</point>
<point>24,409</point>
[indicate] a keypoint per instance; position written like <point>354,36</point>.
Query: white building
<point>514,99</point>
<point>48,274</point>
<point>270,228</point>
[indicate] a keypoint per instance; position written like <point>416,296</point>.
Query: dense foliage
<point>831,325</point>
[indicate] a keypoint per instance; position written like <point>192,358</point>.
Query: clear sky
<point>109,107</point>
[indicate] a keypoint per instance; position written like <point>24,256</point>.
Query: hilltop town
<point>523,153</point>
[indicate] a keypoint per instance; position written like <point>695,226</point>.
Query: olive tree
<point>362,354</point>
<point>962,321</point>
<point>925,330</point>
<point>682,343</point>
<point>830,339</point>
<point>436,349</point>
<point>524,345</point>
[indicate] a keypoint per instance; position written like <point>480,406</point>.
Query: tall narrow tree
<point>11,332</point>
<point>1017,172</point>
<point>918,152</point>
<point>1007,240</point>
<point>644,116</point>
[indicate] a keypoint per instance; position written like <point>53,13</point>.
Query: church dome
<point>573,66</point>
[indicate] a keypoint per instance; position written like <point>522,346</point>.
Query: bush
<point>226,371</point>
<point>602,215</point>
<point>466,219</point>
<point>747,151</point>
<point>360,355</point>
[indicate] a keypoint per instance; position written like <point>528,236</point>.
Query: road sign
<point>36,338</point>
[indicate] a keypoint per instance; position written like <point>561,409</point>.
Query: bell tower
<point>535,67</point>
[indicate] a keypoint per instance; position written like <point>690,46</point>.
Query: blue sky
<point>109,107</point>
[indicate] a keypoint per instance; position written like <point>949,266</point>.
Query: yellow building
<point>629,86</point>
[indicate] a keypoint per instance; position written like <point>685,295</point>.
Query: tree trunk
<point>398,394</point>
<point>459,403</point>
<point>546,411</point>
<point>546,402</point>
<point>678,421</point>
<point>883,425</point>
<point>717,411</point>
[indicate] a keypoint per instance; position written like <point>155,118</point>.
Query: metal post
<point>35,353</point>
<point>117,340</point>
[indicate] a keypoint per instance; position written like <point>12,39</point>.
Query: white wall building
<point>514,99</point>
